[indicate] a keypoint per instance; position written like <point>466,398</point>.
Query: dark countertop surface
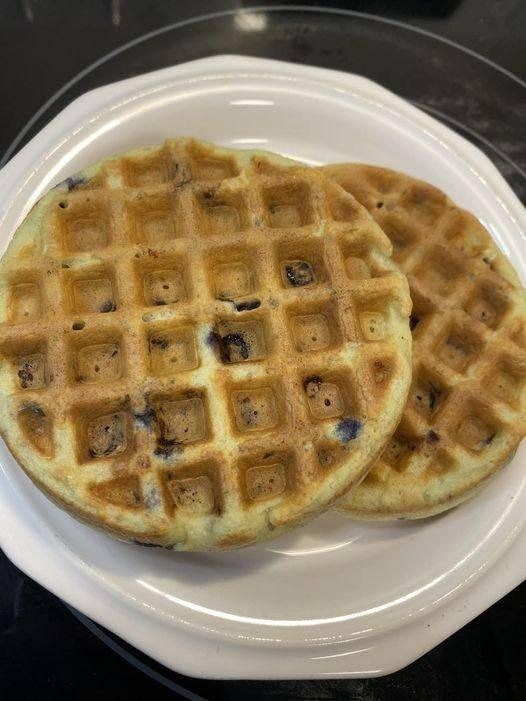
<point>48,650</point>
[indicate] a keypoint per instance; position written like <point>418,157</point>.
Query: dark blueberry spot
<point>145,418</point>
<point>114,353</point>
<point>248,305</point>
<point>414,320</point>
<point>212,339</point>
<point>348,429</point>
<point>74,182</point>
<point>159,302</point>
<point>489,439</point>
<point>108,306</point>
<point>63,204</point>
<point>327,402</point>
<point>165,287</point>
<point>25,375</point>
<point>379,205</point>
<point>238,341</point>
<point>226,344</point>
<point>299,273</point>
<point>65,266</point>
<point>432,436</point>
<point>78,325</point>
<point>161,343</point>
<point>166,448</point>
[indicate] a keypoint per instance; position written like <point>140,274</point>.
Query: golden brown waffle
<point>202,346</point>
<point>466,410</point>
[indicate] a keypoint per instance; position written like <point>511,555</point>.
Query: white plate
<point>336,598</point>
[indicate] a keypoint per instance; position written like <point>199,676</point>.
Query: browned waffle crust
<point>466,410</point>
<point>201,347</point>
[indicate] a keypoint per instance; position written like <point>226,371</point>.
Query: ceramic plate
<point>337,598</point>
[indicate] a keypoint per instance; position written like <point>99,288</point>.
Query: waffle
<point>466,411</point>
<point>201,347</point>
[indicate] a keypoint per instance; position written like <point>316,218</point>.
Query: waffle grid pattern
<point>149,293</point>
<point>466,410</point>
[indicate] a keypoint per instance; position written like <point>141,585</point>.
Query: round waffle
<point>466,411</point>
<point>200,347</point>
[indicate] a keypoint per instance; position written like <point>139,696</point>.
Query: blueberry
<point>299,273</point>
<point>248,305</point>
<point>74,182</point>
<point>348,429</point>
<point>107,306</point>
<point>225,345</point>
<point>146,417</point>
